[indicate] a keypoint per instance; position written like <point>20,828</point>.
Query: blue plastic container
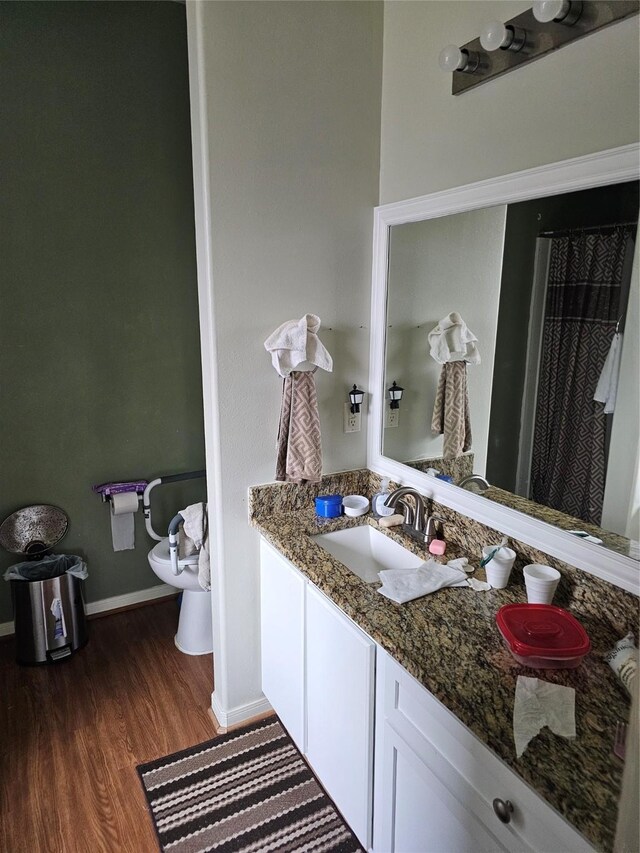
<point>329,506</point>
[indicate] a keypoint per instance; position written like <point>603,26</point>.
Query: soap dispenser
<point>377,501</point>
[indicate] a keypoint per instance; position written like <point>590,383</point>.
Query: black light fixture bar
<point>541,38</point>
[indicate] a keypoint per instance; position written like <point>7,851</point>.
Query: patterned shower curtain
<point>568,466</point>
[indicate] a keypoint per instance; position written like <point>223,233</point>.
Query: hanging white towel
<point>196,529</point>
<point>607,387</point>
<point>453,340</point>
<point>296,341</point>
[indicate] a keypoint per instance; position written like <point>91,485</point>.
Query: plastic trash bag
<point>52,566</point>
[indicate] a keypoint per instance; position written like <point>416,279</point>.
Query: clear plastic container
<point>377,501</point>
<point>542,636</point>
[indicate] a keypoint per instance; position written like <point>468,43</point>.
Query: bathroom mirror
<point>483,251</point>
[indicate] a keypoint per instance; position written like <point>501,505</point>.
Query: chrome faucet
<point>414,524</point>
<point>477,480</point>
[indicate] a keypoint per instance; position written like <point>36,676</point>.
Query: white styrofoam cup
<point>541,583</point>
<point>499,567</point>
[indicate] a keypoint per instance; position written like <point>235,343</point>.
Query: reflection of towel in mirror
<point>607,387</point>
<point>195,531</point>
<point>451,410</point>
<point>299,448</point>
<point>453,340</point>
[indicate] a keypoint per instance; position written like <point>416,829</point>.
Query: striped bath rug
<point>247,791</point>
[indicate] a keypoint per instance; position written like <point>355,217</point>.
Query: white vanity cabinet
<point>282,636</point>
<point>318,673</point>
<point>436,783</point>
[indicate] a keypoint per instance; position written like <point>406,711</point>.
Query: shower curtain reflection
<point>587,290</point>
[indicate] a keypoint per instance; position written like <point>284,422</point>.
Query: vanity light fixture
<point>561,11</point>
<point>498,36</point>
<point>395,395</point>
<point>549,25</point>
<point>356,396</point>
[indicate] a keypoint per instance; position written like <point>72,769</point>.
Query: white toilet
<point>195,633</point>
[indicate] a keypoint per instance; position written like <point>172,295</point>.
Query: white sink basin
<point>367,551</point>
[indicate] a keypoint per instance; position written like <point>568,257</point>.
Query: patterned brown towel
<point>451,410</point>
<point>299,447</point>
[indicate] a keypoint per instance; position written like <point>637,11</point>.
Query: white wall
<point>580,99</point>
<point>453,263</point>
<point>290,98</point>
<point>621,508</point>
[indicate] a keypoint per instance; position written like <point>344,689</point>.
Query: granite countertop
<point>449,642</point>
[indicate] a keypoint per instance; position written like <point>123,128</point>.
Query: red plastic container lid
<point>542,630</point>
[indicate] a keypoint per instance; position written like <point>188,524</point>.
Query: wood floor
<point>72,733</point>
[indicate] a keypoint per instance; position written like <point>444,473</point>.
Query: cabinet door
<point>417,811</point>
<point>282,635</point>
<point>422,747</point>
<point>340,688</point>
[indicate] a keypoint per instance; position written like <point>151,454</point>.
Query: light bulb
<point>550,10</point>
<point>495,35</point>
<point>452,58</point>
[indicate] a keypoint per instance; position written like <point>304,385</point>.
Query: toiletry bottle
<point>377,501</point>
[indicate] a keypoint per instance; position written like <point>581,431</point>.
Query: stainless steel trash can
<point>49,618</point>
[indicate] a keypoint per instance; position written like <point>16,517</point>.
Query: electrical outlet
<point>352,423</point>
<point>393,418</point>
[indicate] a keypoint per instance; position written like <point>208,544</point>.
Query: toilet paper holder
<point>107,490</point>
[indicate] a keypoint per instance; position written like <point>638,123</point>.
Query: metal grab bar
<point>146,498</point>
<point>174,539</point>
<point>175,478</point>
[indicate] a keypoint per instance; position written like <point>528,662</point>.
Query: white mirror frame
<point>614,166</point>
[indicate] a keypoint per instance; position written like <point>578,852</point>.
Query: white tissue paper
<point>123,506</point>
<point>461,563</point>
<point>401,585</point>
<point>538,704</point>
<point>478,586</point>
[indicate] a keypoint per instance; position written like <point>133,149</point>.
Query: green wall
<point>99,345</point>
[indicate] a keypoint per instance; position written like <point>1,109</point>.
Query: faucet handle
<point>433,528</point>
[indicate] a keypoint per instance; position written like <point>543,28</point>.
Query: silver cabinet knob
<point>503,808</point>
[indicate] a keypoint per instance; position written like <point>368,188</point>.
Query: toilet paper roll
<point>123,506</point>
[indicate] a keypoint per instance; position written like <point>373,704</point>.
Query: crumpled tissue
<point>401,585</point>
<point>539,703</point>
<point>478,586</point>
<point>462,563</point>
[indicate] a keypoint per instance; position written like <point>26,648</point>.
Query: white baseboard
<point>240,713</point>
<point>115,602</point>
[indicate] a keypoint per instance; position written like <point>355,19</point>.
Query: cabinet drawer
<point>433,732</point>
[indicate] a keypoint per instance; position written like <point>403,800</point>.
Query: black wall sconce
<point>549,25</point>
<point>356,396</point>
<point>395,395</point>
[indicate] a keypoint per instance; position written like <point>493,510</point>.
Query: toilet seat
<point>160,552</point>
